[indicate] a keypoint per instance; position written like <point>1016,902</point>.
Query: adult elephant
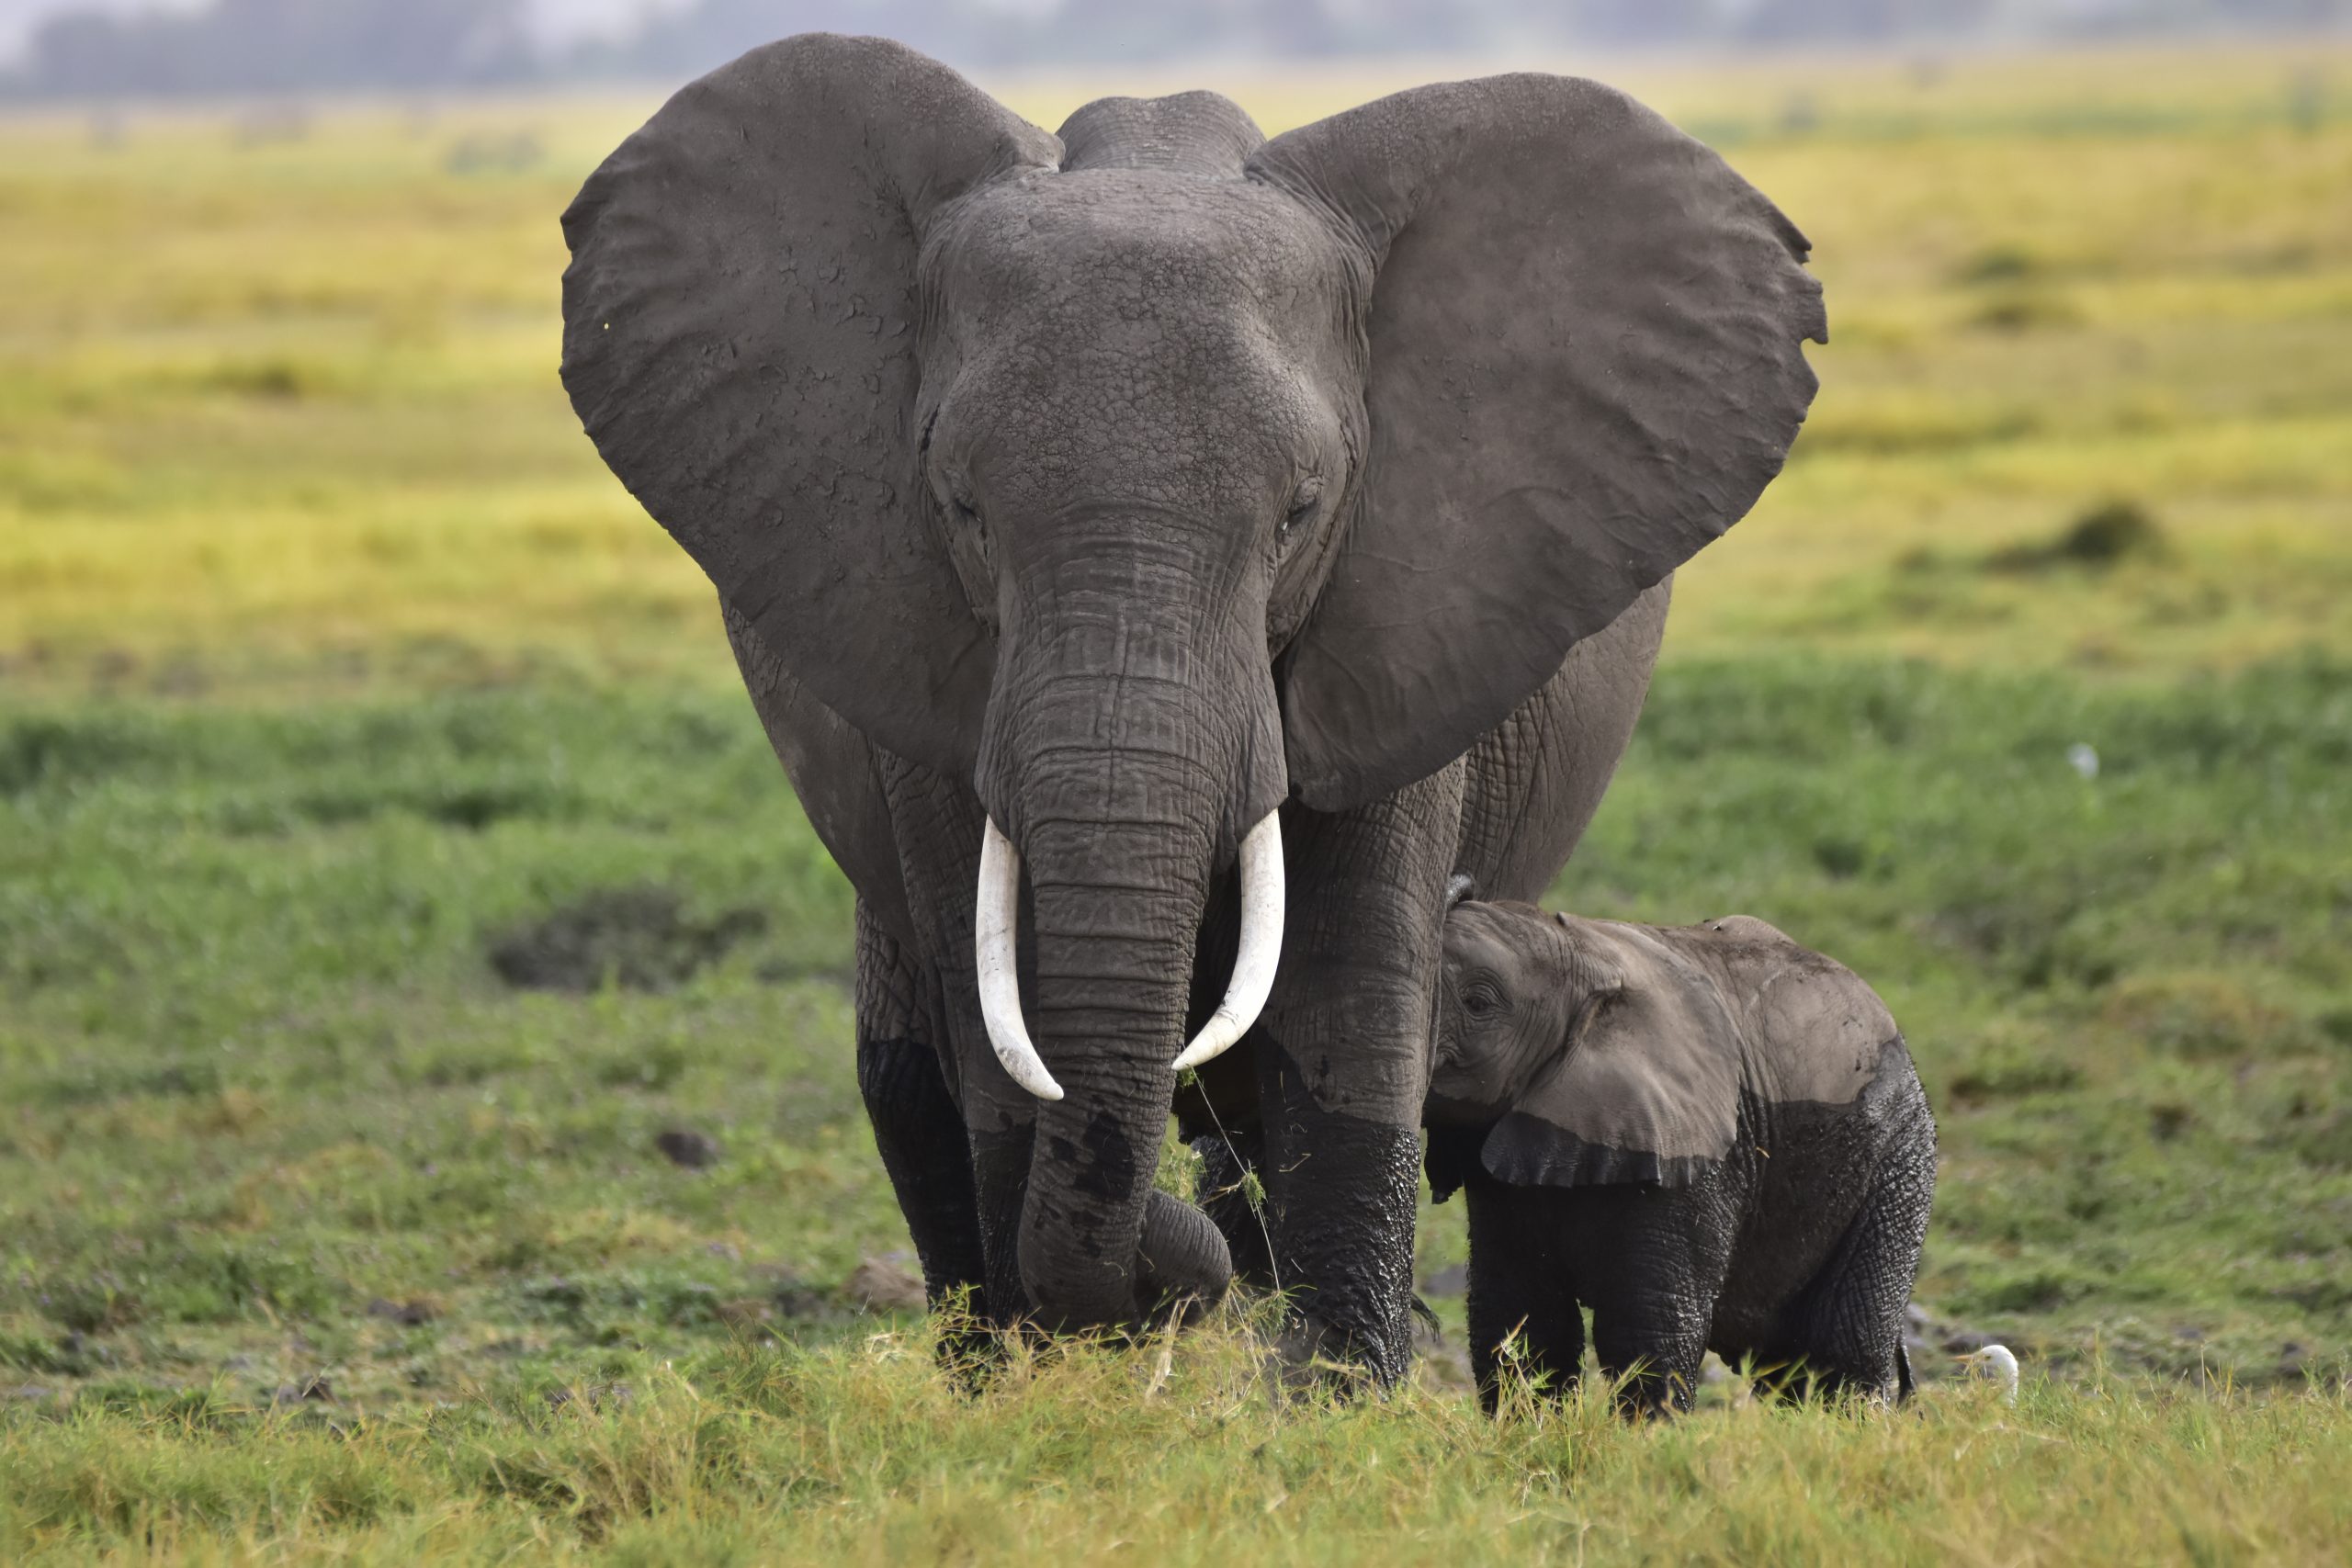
<point>1227,532</point>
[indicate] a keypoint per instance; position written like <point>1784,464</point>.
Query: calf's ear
<point>1647,1090</point>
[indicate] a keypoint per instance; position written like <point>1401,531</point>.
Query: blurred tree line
<point>267,45</point>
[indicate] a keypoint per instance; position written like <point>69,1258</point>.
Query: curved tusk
<point>993,938</point>
<point>1262,946</point>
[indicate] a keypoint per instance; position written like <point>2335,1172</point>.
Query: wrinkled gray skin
<point>1709,1135</point>
<point>1127,484</point>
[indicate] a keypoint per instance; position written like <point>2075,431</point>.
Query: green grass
<point>340,689</point>
<point>753,1455</point>
<point>268,1084</point>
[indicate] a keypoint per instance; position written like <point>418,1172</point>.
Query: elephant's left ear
<point>1584,335</point>
<point>1647,1089</point>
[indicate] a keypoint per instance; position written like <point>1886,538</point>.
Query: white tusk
<point>1262,946</point>
<point>993,937</point>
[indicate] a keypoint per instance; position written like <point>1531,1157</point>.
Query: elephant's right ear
<point>1585,363</point>
<point>739,339</point>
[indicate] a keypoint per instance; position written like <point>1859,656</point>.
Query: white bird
<point>1998,1363</point>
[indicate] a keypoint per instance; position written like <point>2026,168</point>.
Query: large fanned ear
<point>1648,1088</point>
<point>739,338</point>
<point>1585,363</point>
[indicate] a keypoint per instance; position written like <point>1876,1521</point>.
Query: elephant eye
<point>1482,1001</point>
<point>966,511</point>
<point>1302,505</point>
<point>964,514</point>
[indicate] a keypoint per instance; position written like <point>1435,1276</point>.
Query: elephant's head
<point>1585,1051</point>
<point>1152,474</point>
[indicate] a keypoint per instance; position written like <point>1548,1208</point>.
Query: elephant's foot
<point>1311,1357</point>
<point>1344,1252</point>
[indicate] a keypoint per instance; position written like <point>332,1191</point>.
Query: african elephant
<point>1234,536</point>
<point>1709,1135</point>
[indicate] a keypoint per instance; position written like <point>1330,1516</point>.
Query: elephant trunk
<point>1117,914</point>
<point>1127,758</point>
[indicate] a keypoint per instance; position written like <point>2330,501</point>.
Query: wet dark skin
<point>1711,1138</point>
<point>1125,485</point>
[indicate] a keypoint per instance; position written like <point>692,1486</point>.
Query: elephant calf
<point>1709,1135</point>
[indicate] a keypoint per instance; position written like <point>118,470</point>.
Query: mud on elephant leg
<point>936,828</point>
<point>921,1142</point>
<point>1345,1063</point>
<point>1655,1301</point>
<point>917,1128</point>
<point>1343,1208</point>
<point>1651,1345</point>
<point>1524,1320</point>
<point>1849,1326</point>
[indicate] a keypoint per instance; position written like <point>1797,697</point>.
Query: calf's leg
<point>1523,1315</point>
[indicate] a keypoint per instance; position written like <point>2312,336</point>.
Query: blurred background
<point>413,969</point>
<point>143,47</point>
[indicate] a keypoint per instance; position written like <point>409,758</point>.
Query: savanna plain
<point>427,1124</point>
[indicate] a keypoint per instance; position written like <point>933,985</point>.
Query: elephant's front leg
<point>1345,1065</point>
<point>936,826</point>
<point>917,1128</point>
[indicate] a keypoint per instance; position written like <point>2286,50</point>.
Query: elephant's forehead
<point>1514,943</point>
<point>1116,240</point>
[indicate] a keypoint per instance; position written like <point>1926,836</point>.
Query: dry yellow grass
<point>283,416</point>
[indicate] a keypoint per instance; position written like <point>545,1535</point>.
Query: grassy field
<point>426,1123</point>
